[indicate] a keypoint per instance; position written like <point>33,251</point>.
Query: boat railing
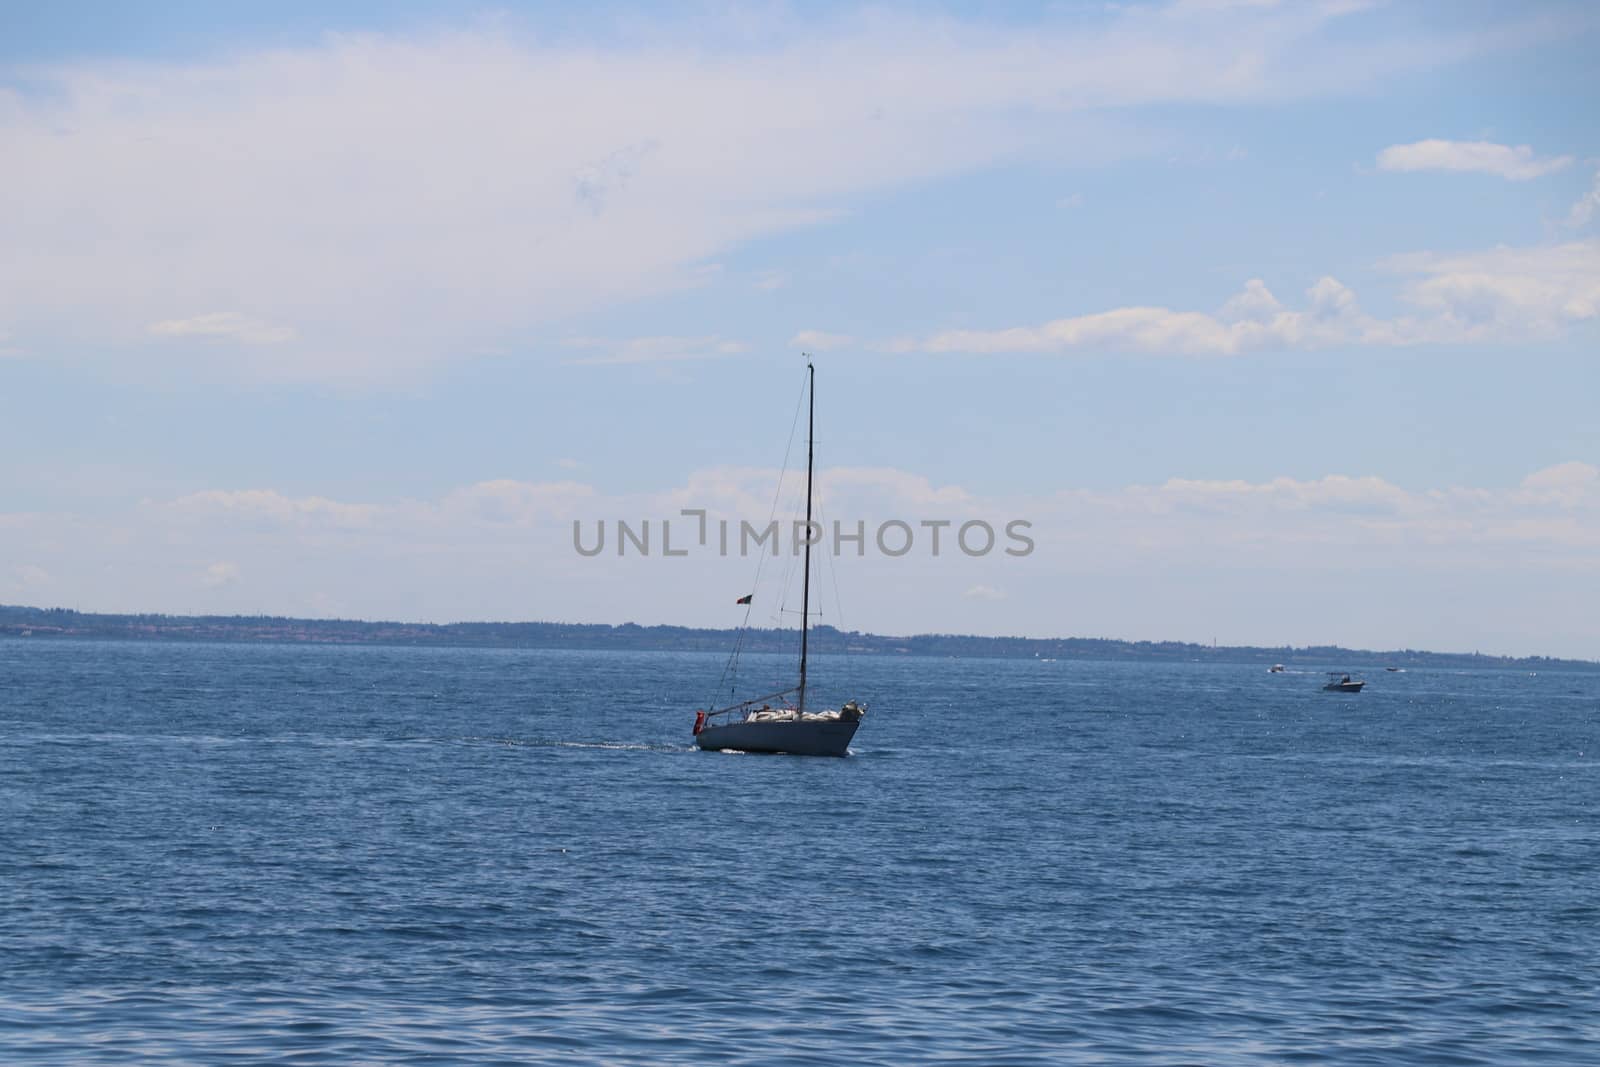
<point>744,708</point>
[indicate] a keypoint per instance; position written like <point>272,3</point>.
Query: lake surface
<point>276,854</point>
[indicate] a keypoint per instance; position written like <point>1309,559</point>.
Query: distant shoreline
<point>16,621</point>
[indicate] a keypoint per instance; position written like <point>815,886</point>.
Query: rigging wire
<point>832,566</point>
<point>787,584</point>
<point>831,561</point>
<point>730,671</point>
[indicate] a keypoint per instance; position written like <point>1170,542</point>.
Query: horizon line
<point>1214,647</point>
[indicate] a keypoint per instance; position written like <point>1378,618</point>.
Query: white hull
<point>808,737</point>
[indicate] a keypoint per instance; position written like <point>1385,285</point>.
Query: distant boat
<point>1343,683</point>
<point>1395,670</point>
<point>1276,668</point>
<point>755,725</point>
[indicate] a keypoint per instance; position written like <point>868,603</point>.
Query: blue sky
<point>1277,320</point>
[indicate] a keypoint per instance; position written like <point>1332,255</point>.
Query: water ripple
<point>257,855</point>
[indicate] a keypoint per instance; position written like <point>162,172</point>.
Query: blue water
<point>273,854</point>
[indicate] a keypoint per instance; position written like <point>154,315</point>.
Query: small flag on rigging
<point>744,599</point>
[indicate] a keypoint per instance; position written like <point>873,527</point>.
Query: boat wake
<point>615,746</point>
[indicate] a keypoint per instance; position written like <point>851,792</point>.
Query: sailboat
<point>757,725</point>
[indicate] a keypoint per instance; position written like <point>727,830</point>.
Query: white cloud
<point>271,506</point>
<point>507,501</point>
<point>1562,476</point>
<point>1334,493</point>
<point>749,492</point>
<point>820,341</point>
<point>494,502</point>
<point>30,577</point>
<point>219,574</point>
<point>1504,294</point>
<point>1568,488</point>
<point>503,549</point>
<point>1483,157</point>
<point>1557,507</point>
<point>1251,320</point>
<point>1583,211</point>
<point>224,325</point>
<point>892,487</point>
<point>408,199</point>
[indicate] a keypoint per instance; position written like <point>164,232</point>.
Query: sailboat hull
<point>803,738</point>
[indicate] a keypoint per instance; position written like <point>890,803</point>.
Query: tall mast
<point>805,596</point>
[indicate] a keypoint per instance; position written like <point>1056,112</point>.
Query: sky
<point>1277,323</point>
